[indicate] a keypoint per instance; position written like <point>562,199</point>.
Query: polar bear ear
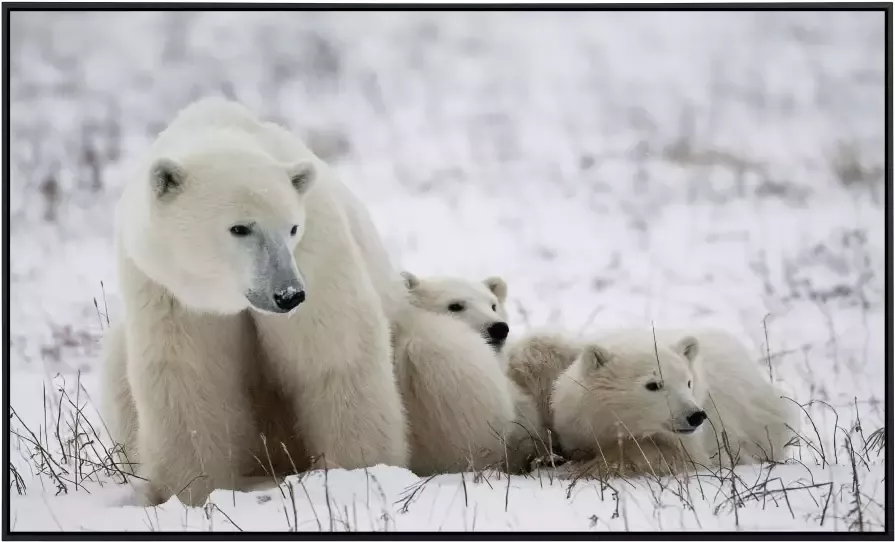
<point>302,174</point>
<point>410,280</point>
<point>166,176</point>
<point>497,286</point>
<point>595,356</point>
<point>688,347</point>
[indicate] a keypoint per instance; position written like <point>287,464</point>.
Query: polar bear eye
<point>494,308</point>
<point>294,230</point>
<point>455,307</point>
<point>240,231</point>
<point>653,386</point>
<point>689,383</point>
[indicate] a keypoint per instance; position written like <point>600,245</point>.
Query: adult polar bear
<point>228,213</point>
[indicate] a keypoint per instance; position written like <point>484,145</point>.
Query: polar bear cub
<point>480,305</point>
<point>686,399</point>
<point>460,405</point>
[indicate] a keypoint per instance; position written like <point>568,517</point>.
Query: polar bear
<point>333,354</point>
<point>482,306</point>
<point>228,213</point>
<point>687,398</point>
<point>461,408</point>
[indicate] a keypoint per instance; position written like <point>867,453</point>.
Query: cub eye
<point>240,231</point>
<point>653,386</point>
<point>294,230</point>
<point>455,307</point>
<point>494,308</point>
<point>689,383</point>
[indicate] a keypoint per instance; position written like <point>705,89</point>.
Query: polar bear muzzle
<point>688,423</point>
<point>278,286</point>
<point>496,335</point>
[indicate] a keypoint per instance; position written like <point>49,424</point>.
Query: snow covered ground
<point>615,168</point>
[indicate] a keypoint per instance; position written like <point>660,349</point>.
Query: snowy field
<point>615,168</point>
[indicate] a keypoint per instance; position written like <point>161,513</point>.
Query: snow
<point>615,168</point>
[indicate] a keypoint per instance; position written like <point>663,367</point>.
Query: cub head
<point>478,304</point>
<point>217,227</point>
<point>626,389</point>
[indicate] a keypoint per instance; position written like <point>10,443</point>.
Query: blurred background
<point>615,168</point>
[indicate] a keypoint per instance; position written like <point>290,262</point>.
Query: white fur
<point>230,178</point>
<point>117,407</point>
<point>201,388</point>
<point>602,407</point>
<point>424,351</point>
<point>459,407</point>
<point>482,302</point>
<point>186,372</point>
<point>533,363</point>
<point>272,412</point>
<point>333,354</point>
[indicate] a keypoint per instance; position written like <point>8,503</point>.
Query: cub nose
<point>288,299</point>
<point>498,331</point>
<point>696,419</point>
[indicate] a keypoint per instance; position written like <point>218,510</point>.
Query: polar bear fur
<point>461,408</point>
<point>482,306</point>
<point>534,362</point>
<point>229,199</point>
<point>333,353</point>
<point>617,404</point>
<point>277,451</point>
<point>119,414</point>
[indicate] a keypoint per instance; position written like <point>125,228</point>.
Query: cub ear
<point>595,356</point>
<point>410,280</point>
<point>166,176</point>
<point>302,174</point>
<point>497,286</point>
<point>688,347</point>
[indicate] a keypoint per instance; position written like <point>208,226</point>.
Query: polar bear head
<point>216,223</point>
<point>630,386</point>
<point>478,304</point>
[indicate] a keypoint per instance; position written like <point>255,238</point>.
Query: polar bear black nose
<point>696,419</point>
<point>498,331</point>
<point>288,299</point>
